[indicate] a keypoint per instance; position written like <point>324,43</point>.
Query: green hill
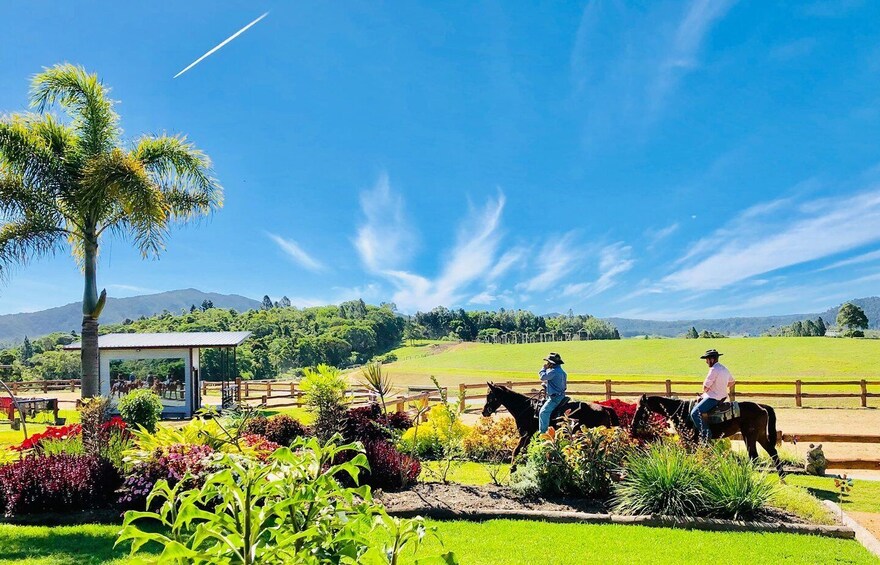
<point>784,358</point>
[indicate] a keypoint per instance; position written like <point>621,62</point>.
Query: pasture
<point>765,358</point>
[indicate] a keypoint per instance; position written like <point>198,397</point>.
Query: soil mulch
<point>464,499</point>
<point>467,498</point>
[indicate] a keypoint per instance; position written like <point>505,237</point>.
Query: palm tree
<point>72,181</point>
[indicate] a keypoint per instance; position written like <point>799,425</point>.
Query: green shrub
<point>291,509</point>
<point>663,479</point>
<point>491,440</point>
<point>576,462</point>
<point>325,397</point>
<point>734,489</point>
<point>141,407</point>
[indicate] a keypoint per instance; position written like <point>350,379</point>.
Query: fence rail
<point>44,386</point>
<point>666,387</point>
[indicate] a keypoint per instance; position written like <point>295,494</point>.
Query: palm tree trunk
<point>91,310</point>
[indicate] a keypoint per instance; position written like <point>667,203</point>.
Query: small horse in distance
<point>756,422</point>
<point>524,410</point>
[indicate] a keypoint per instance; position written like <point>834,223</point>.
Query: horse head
<point>493,399</point>
<point>640,418</point>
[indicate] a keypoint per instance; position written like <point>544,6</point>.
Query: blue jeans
<point>702,407</point>
<point>547,409</point>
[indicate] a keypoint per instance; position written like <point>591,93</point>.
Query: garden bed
<point>467,502</point>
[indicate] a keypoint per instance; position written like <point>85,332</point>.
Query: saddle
<point>557,412</point>
<point>722,413</point>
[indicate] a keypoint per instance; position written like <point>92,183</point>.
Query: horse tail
<point>771,424</point>
<point>613,419</point>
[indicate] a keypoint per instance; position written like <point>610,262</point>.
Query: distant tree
<point>797,329</point>
<point>810,328</point>
<point>692,334</point>
<point>192,308</point>
<point>26,352</point>
<point>852,317</point>
<point>284,302</point>
<point>267,303</point>
<point>820,326</point>
<point>207,305</point>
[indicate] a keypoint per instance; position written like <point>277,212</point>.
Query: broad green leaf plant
<point>291,509</point>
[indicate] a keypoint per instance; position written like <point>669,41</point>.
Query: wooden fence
<point>45,386</point>
<point>291,394</point>
<point>669,387</point>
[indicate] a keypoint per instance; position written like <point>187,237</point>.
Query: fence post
<point>462,396</point>
<point>733,392</point>
<point>237,389</point>
<point>269,388</point>
<point>15,388</point>
<point>797,393</point>
<point>864,384</point>
<point>668,387</point>
<point>607,389</point>
<point>247,389</point>
<point>72,385</point>
<point>45,386</point>
<point>400,405</point>
<point>264,400</point>
<point>292,389</point>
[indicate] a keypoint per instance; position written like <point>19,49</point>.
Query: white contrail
<point>225,41</point>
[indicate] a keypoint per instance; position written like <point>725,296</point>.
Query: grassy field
<point>748,358</point>
<point>500,542</point>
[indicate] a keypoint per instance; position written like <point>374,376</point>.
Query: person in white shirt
<point>715,389</point>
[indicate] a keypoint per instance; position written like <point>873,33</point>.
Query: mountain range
<point>13,327</point>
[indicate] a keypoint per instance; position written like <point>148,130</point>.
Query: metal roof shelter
<point>180,393</point>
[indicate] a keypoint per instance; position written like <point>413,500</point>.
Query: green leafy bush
<point>569,461</point>
<point>426,440</point>
<point>291,509</point>
<point>141,407</point>
<point>325,397</point>
<point>491,440</point>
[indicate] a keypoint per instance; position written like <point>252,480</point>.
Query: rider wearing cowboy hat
<point>554,380</point>
<point>715,388</point>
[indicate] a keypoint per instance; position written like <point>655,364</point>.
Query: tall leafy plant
<point>71,180</point>
<point>291,509</point>
<point>325,397</point>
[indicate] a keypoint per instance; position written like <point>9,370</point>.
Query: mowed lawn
<point>492,542</point>
<point>632,359</point>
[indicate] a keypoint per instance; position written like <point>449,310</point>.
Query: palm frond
<point>27,238</point>
<point>183,172</point>
<point>85,100</point>
<point>129,201</point>
<point>26,154</point>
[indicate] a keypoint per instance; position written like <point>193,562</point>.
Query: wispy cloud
<point>133,289</point>
<point>556,260</point>
<point>857,260</point>
<point>614,260</point>
<point>220,45</point>
<point>656,236</point>
<point>683,53</point>
<point>385,240</point>
<point>756,243</point>
<point>296,253</point>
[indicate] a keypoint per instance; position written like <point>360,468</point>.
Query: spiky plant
<point>374,379</point>
<point>68,181</point>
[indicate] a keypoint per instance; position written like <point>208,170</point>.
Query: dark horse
<point>524,410</point>
<point>756,422</point>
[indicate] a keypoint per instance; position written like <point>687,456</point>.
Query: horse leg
<point>771,451</point>
<point>751,444</point>
<point>523,440</point>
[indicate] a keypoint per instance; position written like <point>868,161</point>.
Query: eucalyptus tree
<point>65,182</point>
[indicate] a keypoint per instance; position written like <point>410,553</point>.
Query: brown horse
<point>756,422</point>
<point>524,410</point>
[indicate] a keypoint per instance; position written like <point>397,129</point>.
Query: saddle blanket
<point>723,412</point>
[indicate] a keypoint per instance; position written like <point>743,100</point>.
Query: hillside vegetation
<point>783,358</point>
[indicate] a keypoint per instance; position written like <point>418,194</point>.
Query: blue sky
<point>649,159</point>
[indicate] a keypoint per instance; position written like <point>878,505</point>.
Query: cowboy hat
<point>711,353</point>
<point>554,358</point>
